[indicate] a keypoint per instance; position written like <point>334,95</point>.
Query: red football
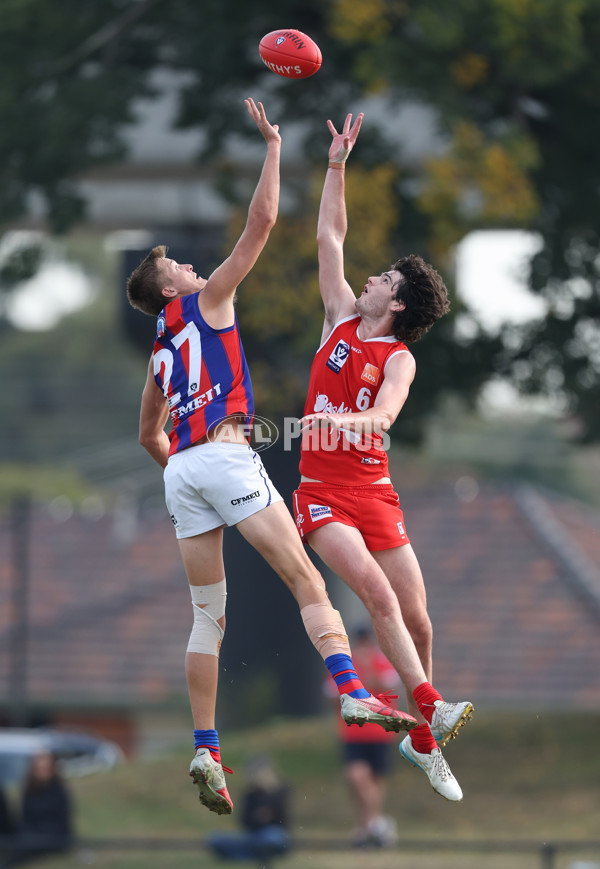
<point>290,53</point>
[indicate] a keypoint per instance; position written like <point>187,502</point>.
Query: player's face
<point>180,277</point>
<point>378,294</point>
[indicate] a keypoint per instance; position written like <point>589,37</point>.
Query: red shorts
<point>373,509</point>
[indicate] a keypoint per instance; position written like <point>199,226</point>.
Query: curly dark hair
<point>424,294</point>
<point>144,288</point>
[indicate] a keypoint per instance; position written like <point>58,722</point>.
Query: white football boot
<point>448,718</point>
<point>435,768</point>
<point>208,777</point>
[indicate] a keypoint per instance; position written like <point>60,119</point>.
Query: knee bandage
<point>325,628</point>
<point>209,606</point>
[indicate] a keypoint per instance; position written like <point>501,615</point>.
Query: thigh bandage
<point>325,628</point>
<point>209,606</point>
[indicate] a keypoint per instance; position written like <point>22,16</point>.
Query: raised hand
<point>343,142</point>
<point>269,131</point>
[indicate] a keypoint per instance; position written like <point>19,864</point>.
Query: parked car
<point>78,753</point>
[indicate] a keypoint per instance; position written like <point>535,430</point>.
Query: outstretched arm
<point>262,214</point>
<point>336,293</point>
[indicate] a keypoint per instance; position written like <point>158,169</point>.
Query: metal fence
<point>547,852</point>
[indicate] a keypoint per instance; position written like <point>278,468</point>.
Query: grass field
<point>531,778</point>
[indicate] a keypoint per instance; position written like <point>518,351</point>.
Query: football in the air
<point>290,53</point>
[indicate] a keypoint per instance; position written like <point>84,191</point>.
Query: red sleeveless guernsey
<point>346,377</point>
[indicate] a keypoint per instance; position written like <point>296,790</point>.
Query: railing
<point>548,851</point>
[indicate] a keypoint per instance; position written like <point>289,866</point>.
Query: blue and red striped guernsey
<point>201,371</point>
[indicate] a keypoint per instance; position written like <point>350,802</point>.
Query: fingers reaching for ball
<point>258,115</point>
<point>343,142</point>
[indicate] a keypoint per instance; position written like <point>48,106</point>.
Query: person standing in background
<point>45,825</point>
<point>367,751</point>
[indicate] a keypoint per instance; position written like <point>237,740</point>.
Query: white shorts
<point>215,484</point>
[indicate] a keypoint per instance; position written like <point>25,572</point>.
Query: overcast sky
<point>492,276</point>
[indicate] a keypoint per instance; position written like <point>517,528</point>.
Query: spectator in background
<point>45,825</point>
<point>7,827</point>
<point>366,750</point>
<point>6,821</point>
<point>265,817</point>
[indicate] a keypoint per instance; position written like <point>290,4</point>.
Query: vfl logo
<point>367,460</point>
<point>279,40</point>
<point>300,519</point>
<point>338,356</point>
<point>401,529</point>
<point>370,374</point>
<point>161,326</point>
<point>174,521</point>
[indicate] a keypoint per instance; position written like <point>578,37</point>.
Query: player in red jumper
<point>346,508</point>
<point>198,378</point>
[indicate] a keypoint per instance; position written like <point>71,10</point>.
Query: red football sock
<point>425,696</point>
<point>422,739</point>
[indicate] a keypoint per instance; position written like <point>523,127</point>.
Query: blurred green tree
<point>516,84</point>
<point>68,75</point>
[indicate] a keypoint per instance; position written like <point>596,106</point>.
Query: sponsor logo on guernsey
<point>174,520</point>
<point>338,356</point>
<point>370,374</point>
<point>319,511</point>
<point>245,498</point>
<point>300,519</point>
<point>195,403</point>
<point>367,460</point>
<point>323,405</point>
<point>161,326</point>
